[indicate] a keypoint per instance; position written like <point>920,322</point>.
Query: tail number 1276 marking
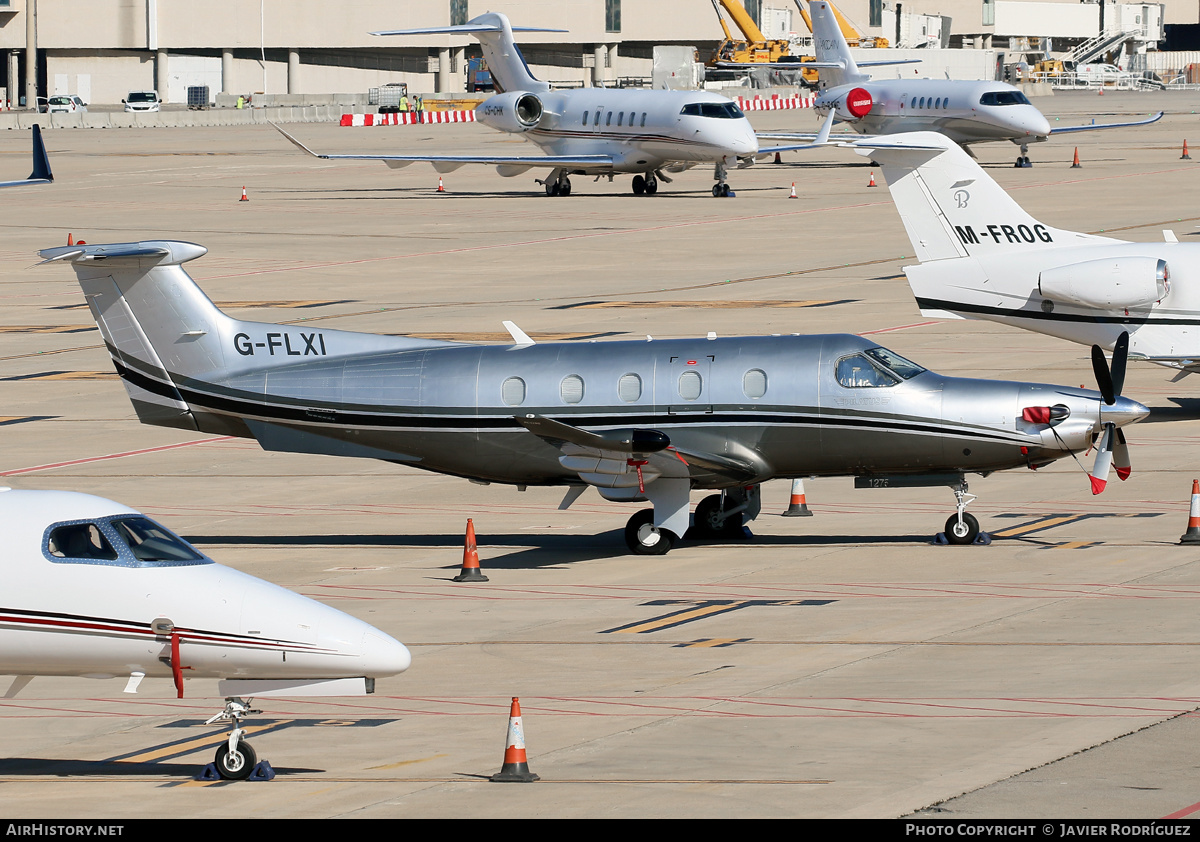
<point>309,344</point>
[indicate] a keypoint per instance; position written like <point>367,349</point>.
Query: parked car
<point>1102,74</point>
<point>65,104</point>
<point>142,101</point>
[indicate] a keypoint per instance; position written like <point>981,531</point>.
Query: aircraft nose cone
<point>1035,123</point>
<point>1124,411</point>
<point>383,655</point>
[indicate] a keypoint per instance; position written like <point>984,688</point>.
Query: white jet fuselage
<point>641,130</point>
<point>103,617</point>
<point>961,110</point>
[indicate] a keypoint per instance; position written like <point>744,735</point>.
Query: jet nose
<point>1124,411</point>
<point>383,655</point>
<point>1035,123</point>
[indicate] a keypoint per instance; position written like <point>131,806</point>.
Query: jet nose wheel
<point>964,532</point>
<point>721,191</point>
<point>644,538</point>
<point>235,765</point>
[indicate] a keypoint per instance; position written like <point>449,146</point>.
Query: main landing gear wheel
<point>710,523</point>
<point>558,187</point>
<point>644,538</point>
<point>964,532</point>
<point>639,185</point>
<point>235,766</point>
<point>651,184</point>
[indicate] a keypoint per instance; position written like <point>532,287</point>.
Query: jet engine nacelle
<point>853,105</point>
<point>511,112</point>
<point>1113,284</point>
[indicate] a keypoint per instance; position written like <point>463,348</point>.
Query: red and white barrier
<point>775,103</point>
<point>407,118</point>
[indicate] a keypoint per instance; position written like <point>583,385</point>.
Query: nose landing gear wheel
<point>962,533</point>
<point>644,538</point>
<point>235,766</point>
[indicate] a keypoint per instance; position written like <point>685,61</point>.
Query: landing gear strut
<point>721,515</point>
<point>721,188</point>
<point>962,528</point>
<point>235,759</point>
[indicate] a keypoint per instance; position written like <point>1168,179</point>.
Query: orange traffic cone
<point>793,195</point>
<point>872,184</point>
<point>778,160</point>
<point>1101,89</point>
<point>244,198</point>
<point>1075,164</point>
<point>1185,156</point>
<point>1192,536</point>
<point>470,567</point>
<point>797,506</point>
<point>70,240</point>
<point>440,189</point>
<point>516,767</point>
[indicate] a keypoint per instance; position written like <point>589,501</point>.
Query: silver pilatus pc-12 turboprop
<point>639,420</point>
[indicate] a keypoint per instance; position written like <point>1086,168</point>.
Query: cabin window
<point>629,387</point>
<point>80,541</point>
<point>1003,98</point>
<point>597,122</point>
<point>571,389</point>
<point>857,372</point>
<point>585,117</point>
<point>620,117</point>
<point>690,385</point>
<point>754,383</point>
<point>643,123</point>
<point>938,103</point>
<point>608,119</point>
<point>905,369</point>
<point>150,542</point>
<point>512,391</point>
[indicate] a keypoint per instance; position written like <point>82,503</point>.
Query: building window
<point>458,12</point>
<point>876,13</point>
<point>989,12</point>
<point>612,15</point>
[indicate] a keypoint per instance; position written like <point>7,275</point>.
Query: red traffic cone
<point>1075,163</point>
<point>1192,536</point>
<point>244,198</point>
<point>778,160</point>
<point>516,767</point>
<point>797,506</point>
<point>70,240</point>
<point>793,195</point>
<point>440,189</point>
<point>1185,156</point>
<point>470,566</point>
<point>872,184</point>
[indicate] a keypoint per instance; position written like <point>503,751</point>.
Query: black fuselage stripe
<point>1040,315</point>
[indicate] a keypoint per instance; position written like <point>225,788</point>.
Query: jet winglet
<point>41,163</point>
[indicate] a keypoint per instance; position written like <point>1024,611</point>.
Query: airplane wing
<point>1093,127</point>
<point>821,138</point>
<point>449,163</point>
<point>41,163</point>
<point>625,458</point>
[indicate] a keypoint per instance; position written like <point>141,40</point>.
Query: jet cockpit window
<point>720,110</point>
<point>857,372</point>
<point>121,541</point>
<point>904,369</point>
<point>1003,98</point>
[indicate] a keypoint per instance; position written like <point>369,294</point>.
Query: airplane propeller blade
<point>1120,357</point>
<point>1103,376</point>
<point>1121,457</point>
<point>1104,459</point>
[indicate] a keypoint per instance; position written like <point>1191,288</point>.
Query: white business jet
<point>965,111</point>
<point>983,257</point>
<point>592,131</point>
<point>41,163</point>
<point>95,589</point>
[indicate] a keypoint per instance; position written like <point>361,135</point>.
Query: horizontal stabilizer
<point>162,252</point>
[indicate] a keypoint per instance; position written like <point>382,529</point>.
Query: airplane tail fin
<point>495,35</point>
<point>173,347</point>
<point>41,161</point>
<point>950,206</point>
<point>831,49</point>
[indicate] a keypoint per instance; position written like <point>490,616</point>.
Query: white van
<point>142,101</point>
<point>1100,74</point>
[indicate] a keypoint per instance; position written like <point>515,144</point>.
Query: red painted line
<point>89,459</point>
<point>1186,811</point>
<point>898,327</point>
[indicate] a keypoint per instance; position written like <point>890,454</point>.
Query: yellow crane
<point>852,35</point>
<point>753,47</point>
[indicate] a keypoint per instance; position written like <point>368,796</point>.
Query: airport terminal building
<point>102,49</point>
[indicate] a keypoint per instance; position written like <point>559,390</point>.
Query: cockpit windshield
<point>875,368</point>
<point>720,110</point>
<point>122,541</point>
<point>1003,98</point>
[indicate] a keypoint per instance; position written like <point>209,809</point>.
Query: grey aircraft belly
<point>639,420</point>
